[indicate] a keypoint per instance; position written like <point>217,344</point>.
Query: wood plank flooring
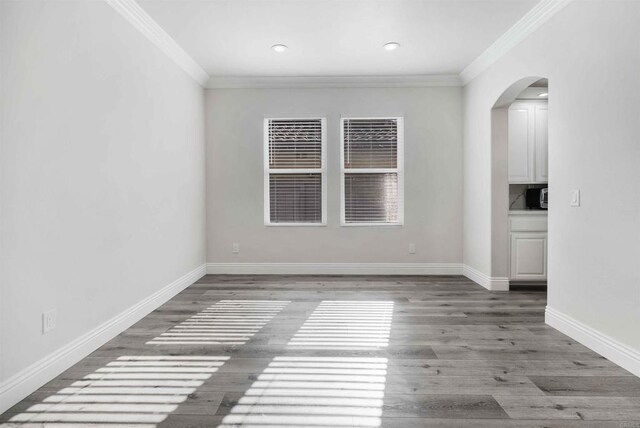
<point>339,351</point>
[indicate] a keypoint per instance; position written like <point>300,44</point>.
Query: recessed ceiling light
<point>544,94</point>
<point>391,46</point>
<point>279,48</point>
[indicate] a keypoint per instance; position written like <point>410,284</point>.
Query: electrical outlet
<point>49,320</point>
<point>575,198</point>
<point>412,248</point>
<point>235,248</point>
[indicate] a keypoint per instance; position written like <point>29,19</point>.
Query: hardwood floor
<point>348,351</point>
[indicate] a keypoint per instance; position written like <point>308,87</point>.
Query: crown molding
<point>301,82</point>
<point>133,13</point>
<point>535,18</point>
<point>529,23</point>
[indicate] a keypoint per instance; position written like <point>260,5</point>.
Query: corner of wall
<point>34,376</point>
<point>625,356</point>
<point>488,282</point>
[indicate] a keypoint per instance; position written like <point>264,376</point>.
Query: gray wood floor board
<point>616,386</point>
<point>388,351</point>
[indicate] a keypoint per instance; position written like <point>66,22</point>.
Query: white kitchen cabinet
<point>528,245</point>
<point>541,144</point>
<point>528,142</point>
<point>529,256</point>
<point>521,145</point>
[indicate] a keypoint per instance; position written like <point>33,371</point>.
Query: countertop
<point>528,212</point>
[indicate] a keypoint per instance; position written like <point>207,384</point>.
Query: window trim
<point>322,171</point>
<point>399,170</point>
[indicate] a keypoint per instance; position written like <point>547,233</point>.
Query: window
<point>294,172</point>
<point>372,171</point>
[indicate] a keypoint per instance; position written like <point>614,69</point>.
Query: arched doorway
<point>501,199</point>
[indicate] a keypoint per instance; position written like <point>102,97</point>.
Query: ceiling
<point>230,38</point>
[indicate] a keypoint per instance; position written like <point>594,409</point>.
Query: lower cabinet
<point>527,246</point>
<point>529,256</point>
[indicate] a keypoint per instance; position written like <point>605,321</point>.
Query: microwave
<point>537,199</point>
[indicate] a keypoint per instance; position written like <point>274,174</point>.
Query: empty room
<point>319,213</point>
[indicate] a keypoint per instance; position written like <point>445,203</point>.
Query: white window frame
<point>322,171</point>
<point>399,170</point>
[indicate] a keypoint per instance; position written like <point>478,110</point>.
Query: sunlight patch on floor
<point>228,322</point>
<point>313,391</point>
<point>131,392</point>
<point>346,325</point>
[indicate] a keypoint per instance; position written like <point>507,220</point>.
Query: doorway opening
<point>520,184</point>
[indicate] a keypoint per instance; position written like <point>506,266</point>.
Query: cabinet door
<point>521,144</point>
<point>528,256</point>
<point>542,144</point>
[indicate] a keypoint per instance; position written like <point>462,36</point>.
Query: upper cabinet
<point>541,144</point>
<point>528,142</point>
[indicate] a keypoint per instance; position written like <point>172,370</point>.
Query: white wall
<point>590,51</point>
<point>102,173</point>
<point>433,177</point>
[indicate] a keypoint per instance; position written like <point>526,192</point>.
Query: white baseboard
<point>33,377</point>
<point>336,268</point>
<point>624,356</point>
<point>490,283</point>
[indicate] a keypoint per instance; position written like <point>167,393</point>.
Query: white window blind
<point>295,178</point>
<point>372,173</point>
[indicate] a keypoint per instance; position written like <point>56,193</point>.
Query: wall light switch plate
<point>412,248</point>
<point>235,248</point>
<point>49,319</point>
<point>575,198</point>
